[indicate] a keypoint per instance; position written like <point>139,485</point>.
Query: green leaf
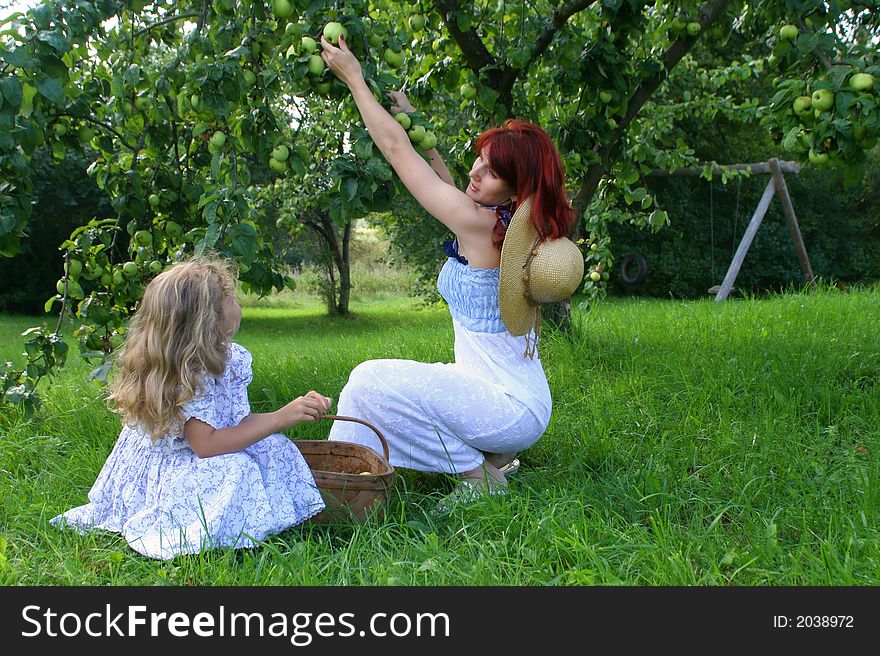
<point>807,42</point>
<point>350,188</point>
<point>54,39</point>
<point>51,88</point>
<point>11,90</point>
<point>20,57</point>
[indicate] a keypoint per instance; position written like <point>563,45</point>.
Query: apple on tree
<point>394,58</point>
<point>802,104</point>
<point>280,153</point>
<point>218,139</point>
<point>822,100</point>
<point>308,44</point>
<point>693,28</point>
<point>417,133</point>
<point>428,141</point>
<point>130,269</point>
<point>468,91</point>
<point>332,30</point>
<point>819,158</point>
<point>404,119</point>
<point>788,32</point>
<point>278,166</point>
<point>606,96</point>
<point>861,82</point>
<point>154,200</point>
<point>316,65</point>
<point>282,9</point>
<point>416,22</point>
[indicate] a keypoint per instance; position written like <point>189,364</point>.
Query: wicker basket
<point>353,479</point>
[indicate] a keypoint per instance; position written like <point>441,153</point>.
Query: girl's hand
<point>340,61</point>
<point>310,407</point>
<point>399,102</point>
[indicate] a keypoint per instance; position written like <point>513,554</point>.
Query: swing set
<point>776,185</point>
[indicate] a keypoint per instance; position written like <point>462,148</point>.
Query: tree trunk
<point>338,296</point>
<point>344,266</point>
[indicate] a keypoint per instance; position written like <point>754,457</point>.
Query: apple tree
<point>218,128</point>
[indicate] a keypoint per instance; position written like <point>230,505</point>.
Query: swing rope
<point>739,181</point>
<point>712,227</point>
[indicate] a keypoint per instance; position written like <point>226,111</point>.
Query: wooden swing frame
<point>776,185</point>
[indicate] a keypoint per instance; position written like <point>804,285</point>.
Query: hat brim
<point>517,311</point>
<point>534,271</point>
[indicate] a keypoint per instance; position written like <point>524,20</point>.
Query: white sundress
<point>440,417</point>
<point>166,501</point>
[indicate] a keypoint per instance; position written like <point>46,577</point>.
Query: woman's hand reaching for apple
<point>340,61</point>
<point>399,102</point>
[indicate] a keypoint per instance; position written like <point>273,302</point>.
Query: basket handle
<point>368,425</point>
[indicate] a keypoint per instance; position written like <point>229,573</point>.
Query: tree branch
<point>709,13</point>
<point>472,47</point>
<point>164,21</point>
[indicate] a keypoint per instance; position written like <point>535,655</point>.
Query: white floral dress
<point>166,501</point>
<point>441,417</point>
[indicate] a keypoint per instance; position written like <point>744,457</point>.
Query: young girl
<point>193,467</point>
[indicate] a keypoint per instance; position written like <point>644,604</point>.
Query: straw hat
<point>534,271</point>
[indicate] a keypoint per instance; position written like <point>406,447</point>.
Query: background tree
<point>189,104</point>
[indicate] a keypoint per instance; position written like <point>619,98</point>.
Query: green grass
<point>692,443</point>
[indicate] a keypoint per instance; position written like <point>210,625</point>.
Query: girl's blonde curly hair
<point>173,342</point>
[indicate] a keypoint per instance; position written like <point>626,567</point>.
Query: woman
<point>470,417</point>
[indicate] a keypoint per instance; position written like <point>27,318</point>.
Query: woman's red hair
<point>523,155</point>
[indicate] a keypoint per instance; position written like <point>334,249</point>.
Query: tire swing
<point>633,268</point>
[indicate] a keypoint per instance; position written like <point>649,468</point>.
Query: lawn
<point>692,443</point>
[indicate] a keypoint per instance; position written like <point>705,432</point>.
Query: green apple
<point>316,65</point>
<point>606,96</point>
<point>275,165</point>
<point>282,9</point>
<point>375,40</point>
<point>143,238</point>
<point>428,141</point>
<point>280,152</point>
<point>154,200</point>
<point>195,102</point>
<point>60,129</point>
<point>156,266</point>
<point>861,82</point>
<point>106,279</point>
<point>822,100</point>
<point>218,139</point>
<point>249,77</point>
<point>595,276</point>
<point>818,158</point>
<point>332,30</point>
<point>678,26</point>
<point>404,119</point>
<point>693,28</point>
<point>130,269</point>
<point>324,88</point>
<point>173,229</point>
<point>788,32</point>
<point>394,58</point>
<point>468,91</point>
<point>74,268</point>
<point>85,134</point>
<point>416,22</point>
<point>802,104</point>
<point>143,103</point>
<point>417,133</point>
<point>308,44</point>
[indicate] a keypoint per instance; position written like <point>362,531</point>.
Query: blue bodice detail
<point>472,295</point>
